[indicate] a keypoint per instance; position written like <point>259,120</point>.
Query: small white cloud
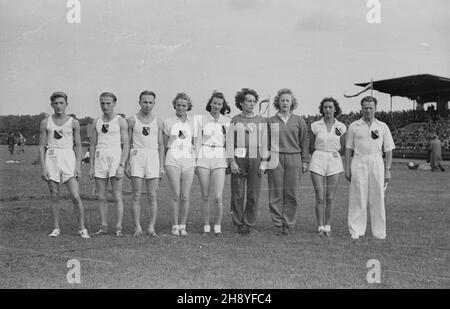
<point>424,44</point>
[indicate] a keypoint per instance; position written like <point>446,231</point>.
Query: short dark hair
<point>276,100</point>
<point>147,92</point>
<point>239,98</point>
<point>219,95</point>
<point>182,96</point>
<point>369,99</point>
<point>337,108</point>
<point>108,94</point>
<point>58,94</point>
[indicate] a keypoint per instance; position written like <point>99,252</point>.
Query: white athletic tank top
<point>145,135</point>
<point>108,133</point>
<point>59,136</point>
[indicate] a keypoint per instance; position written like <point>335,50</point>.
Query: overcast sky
<point>316,48</point>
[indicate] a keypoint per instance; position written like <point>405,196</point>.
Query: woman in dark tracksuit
<point>289,145</point>
<point>246,138</point>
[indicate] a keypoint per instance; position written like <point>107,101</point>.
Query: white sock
<point>175,227</point>
<point>207,228</point>
<point>320,228</point>
<point>327,228</point>
<point>182,226</point>
<point>217,228</point>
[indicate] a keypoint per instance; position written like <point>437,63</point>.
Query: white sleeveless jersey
<point>59,136</point>
<point>108,133</point>
<point>145,135</point>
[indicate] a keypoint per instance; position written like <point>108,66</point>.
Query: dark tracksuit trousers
<point>284,182</point>
<point>245,192</point>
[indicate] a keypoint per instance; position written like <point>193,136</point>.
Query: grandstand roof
<point>424,87</point>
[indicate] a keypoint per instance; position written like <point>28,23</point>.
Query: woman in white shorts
<point>211,157</point>
<point>109,151</point>
<point>326,163</point>
<point>146,159</point>
<point>180,160</point>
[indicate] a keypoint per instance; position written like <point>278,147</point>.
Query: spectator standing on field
<point>435,153</point>
<point>11,142</point>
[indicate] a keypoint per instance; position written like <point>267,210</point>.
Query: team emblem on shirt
<point>374,134</point>
<point>337,131</point>
<point>182,134</point>
<point>58,134</point>
<point>105,128</point>
<point>146,131</point>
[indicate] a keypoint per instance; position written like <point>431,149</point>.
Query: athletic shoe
<point>102,231</point>
<point>152,233</point>
<point>84,234</point>
<point>355,237</point>
<point>320,230</point>
<point>286,231</point>
<point>379,238</point>
<point>137,233</point>
<point>55,233</point>
<point>206,234</point>
<point>119,233</point>
<point>183,231</point>
<point>278,231</point>
<point>218,234</point>
<point>175,231</point>
<point>246,230</point>
<point>327,233</point>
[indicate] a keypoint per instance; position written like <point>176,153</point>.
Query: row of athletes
<point>144,146</point>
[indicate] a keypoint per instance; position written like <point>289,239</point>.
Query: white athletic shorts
<point>144,163</point>
<point>212,158</point>
<point>180,159</point>
<point>60,164</point>
<point>106,162</point>
<point>326,163</point>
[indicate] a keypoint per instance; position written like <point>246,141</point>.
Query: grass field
<point>415,255</point>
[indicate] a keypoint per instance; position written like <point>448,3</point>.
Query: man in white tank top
<point>108,154</point>
<point>59,133</point>
<point>146,160</point>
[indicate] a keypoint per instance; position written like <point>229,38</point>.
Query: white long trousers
<point>367,189</point>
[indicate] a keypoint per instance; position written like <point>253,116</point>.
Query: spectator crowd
<point>415,137</point>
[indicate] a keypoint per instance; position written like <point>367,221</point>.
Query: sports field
<point>415,255</point>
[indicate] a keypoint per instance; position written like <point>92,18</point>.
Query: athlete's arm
<point>198,138</point>
<point>42,144</point>
<point>161,147</point>
<point>131,123</point>
<point>312,143</point>
<point>387,174</point>
<point>342,140</point>
<point>77,146</point>
<point>304,144</point>
<point>92,148</point>
<point>125,141</point>
<point>348,158</point>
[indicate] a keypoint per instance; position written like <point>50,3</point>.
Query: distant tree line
<point>28,126</point>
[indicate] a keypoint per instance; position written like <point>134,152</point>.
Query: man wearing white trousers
<point>367,138</point>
